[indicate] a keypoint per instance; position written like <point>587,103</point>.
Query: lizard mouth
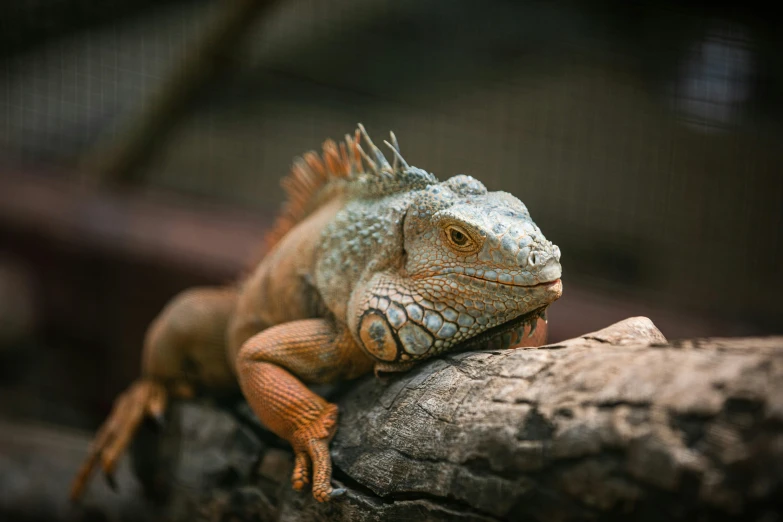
<point>495,336</point>
<point>541,285</point>
<point>538,285</point>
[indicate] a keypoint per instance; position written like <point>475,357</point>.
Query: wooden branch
<point>614,425</point>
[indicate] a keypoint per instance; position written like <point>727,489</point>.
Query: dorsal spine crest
<point>339,170</point>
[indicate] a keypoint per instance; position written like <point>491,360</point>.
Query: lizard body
<point>371,266</point>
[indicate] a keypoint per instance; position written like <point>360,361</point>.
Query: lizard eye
<point>459,238</point>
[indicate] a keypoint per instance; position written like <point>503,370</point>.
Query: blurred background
<point>141,145</point>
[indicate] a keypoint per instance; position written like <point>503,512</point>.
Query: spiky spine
<point>340,170</point>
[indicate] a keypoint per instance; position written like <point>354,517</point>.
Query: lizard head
<point>473,265</point>
<point>477,259</point>
<point>474,261</point>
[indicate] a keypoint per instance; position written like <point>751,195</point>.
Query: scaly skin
<point>372,267</point>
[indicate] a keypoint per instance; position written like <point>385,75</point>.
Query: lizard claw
<point>383,370</point>
<point>111,481</point>
<point>159,418</point>
<point>337,493</point>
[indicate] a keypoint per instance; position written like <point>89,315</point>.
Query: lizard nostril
<point>533,258</point>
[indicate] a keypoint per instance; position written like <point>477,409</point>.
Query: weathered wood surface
<point>615,425</point>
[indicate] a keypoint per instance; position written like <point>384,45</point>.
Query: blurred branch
<point>212,241</point>
<point>26,25</point>
<point>212,57</point>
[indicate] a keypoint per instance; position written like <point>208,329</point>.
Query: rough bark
<point>615,425</point>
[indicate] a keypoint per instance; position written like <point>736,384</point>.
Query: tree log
<point>618,424</point>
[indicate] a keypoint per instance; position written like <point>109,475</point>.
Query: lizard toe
<point>301,474</point>
<point>311,444</point>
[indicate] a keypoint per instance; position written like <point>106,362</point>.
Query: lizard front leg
<point>270,366</point>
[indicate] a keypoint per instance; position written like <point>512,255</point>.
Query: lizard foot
<point>311,448</point>
<point>143,398</point>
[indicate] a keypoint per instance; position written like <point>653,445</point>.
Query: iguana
<point>371,266</point>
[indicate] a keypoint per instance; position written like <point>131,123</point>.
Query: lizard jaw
<point>495,335</point>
